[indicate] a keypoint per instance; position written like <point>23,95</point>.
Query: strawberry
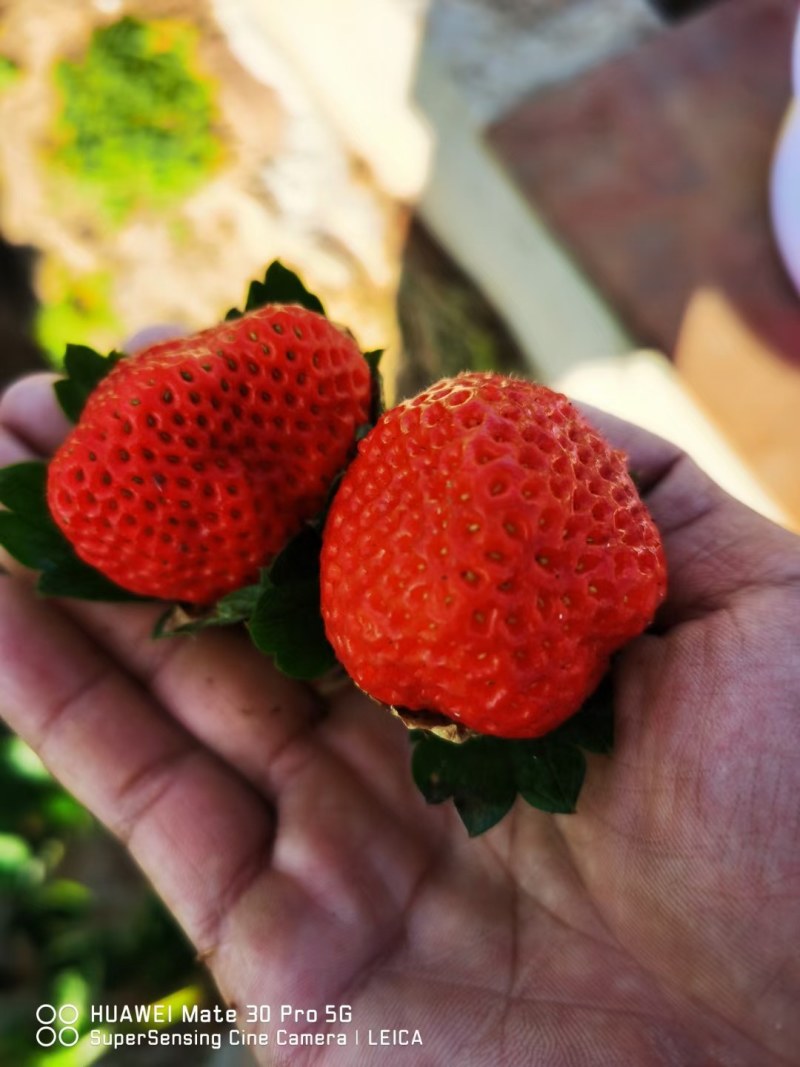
<point>485,555</point>
<point>194,461</point>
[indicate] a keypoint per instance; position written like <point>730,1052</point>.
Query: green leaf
<point>286,622</point>
<point>287,625</point>
<point>378,401</point>
<point>479,815</point>
<point>477,765</point>
<point>29,533</point>
<point>73,578</point>
<point>238,605</point>
<point>592,727</point>
<point>63,896</point>
<point>298,561</point>
<point>280,286</point>
<point>476,774</point>
<point>30,543</point>
<point>20,869</point>
<point>9,72</point>
<point>84,369</point>
<point>484,775</point>
<point>377,404</point>
<point>373,358</point>
<point>234,608</point>
<point>23,488</point>
<point>27,530</point>
<point>548,774</point>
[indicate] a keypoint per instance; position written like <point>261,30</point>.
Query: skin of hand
<point>658,925</point>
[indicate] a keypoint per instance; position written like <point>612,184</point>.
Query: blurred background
<point>603,194</point>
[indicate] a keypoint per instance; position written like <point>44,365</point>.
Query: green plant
<point>9,72</point>
<point>77,924</point>
<point>136,121</point>
<point>74,306</point>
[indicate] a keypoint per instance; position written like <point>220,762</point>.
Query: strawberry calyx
<point>280,612</point>
<point>378,399</point>
<point>185,619</point>
<point>483,775</point>
<point>435,723</point>
<point>29,534</point>
<point>280,286</point>
<point>84,369</point>
<point>286,622</point>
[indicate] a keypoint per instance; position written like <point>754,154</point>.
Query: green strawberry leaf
<point>71,577</point>
<point>549,774</point>
<point>479,815</point>
<point>23,490</point>
<point>475,774</point>
<point>374,358</point>
<point>27,530</point>
<point>378,401</point>
<point>281,612</point>
<point>234,608</point>
<point>298,561</point>
<point>287,625</point>
<point>29,534</point>
<point>286,622</point>
<point>483,775</point>
<point>592,728</point>
<point>280,286</point>
<point>29,543</point>
<point>84,369</point>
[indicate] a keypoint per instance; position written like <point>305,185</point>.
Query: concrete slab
<point>654,168</point>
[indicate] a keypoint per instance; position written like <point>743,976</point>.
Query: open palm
<point>658,925</point>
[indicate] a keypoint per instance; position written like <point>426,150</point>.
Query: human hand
<point>657,925</point>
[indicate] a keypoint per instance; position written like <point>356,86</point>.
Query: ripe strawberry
<point>196,460</point>
<point>485,554</point>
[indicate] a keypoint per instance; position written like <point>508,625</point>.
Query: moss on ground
<point>135,128</point>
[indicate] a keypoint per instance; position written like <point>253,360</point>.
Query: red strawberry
<point>485,554</point>
<point>196,460</point>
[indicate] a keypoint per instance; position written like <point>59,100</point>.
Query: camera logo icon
<point>57,1025</point>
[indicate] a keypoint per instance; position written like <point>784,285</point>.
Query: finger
<point>12,450</point>
<point>29,410</point>
<point>151,335</point>
<point>198,830</point>
<point>216,684</point>
<point>330,887</point>
<point>716,547</point>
